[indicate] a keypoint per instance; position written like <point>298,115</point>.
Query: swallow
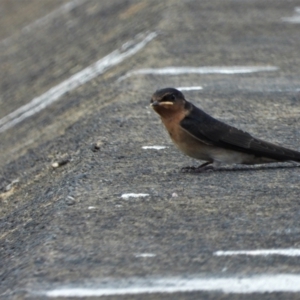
<point>203,137</point>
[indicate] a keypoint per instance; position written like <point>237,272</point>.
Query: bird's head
<point>168,101</point>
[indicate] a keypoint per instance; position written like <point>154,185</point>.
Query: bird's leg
<point>204,167</point>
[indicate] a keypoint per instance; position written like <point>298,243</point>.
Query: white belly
<point>200,151</point>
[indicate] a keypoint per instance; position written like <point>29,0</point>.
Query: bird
<point>203,137</point>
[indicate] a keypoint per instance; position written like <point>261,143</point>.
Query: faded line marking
<point>200,70</point>
<point>61,10</point>
<point>262,252</point>
<point>189,88</point>
<point>279,90</point>
<point>295,18</point>
<point>65,8</point>
<point>154,147</point>
<point>145,255</point>
<point>266,283</point>
<point>133,195</point>
<point>39,103</point>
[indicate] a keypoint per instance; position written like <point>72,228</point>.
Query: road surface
<point>93,202</point>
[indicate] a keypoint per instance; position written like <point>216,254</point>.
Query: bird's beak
<point>156,103</point>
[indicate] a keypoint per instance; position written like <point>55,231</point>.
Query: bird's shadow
<point>241,169</point>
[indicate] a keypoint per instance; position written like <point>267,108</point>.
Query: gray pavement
<point>69,225</point>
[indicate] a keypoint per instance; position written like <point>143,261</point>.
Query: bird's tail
<point>273,152</point>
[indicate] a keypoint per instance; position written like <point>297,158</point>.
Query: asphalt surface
<point>69,224</point>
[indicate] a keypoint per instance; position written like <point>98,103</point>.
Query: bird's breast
<point>186,142</point>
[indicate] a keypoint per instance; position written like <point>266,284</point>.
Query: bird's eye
<point>172,97</point>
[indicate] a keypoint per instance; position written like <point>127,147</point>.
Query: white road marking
<point>266,283</point>
<point>200,70</point>
<point>39,103</point>
<point>154,147</point>
<point>189,88</point>
<point>65,8</point>
<point>261,252</point>
<point>145,255</point>
<point>295,18</point>
<point>133,195</point>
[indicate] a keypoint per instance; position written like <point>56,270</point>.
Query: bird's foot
<point>202,168</point>
<point>188,169</point>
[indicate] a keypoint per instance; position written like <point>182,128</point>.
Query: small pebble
<point>60,163</point>
<point>9,186</point>
<point>70,200</point>
<point>96,146</point>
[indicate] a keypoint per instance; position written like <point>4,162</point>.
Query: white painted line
<point>262,252</point>
<point>200,70</point>
<point>154,147</point>
<point>65,8</point>
<point>295,18</point>
<point>80,78</point>
<point>189,88</point>
<point>266,283</point>
<point>145,255</point>
<point>132,195</point>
